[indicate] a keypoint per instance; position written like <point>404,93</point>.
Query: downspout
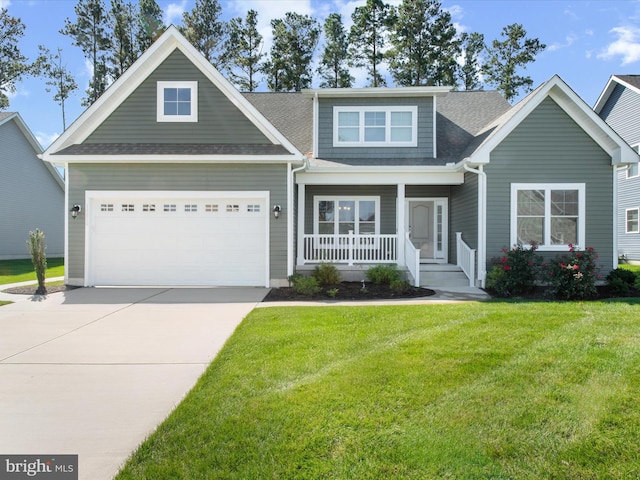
<point>482,222</point>
<point>291,213</point>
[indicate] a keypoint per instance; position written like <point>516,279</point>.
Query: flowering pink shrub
<point>572,276</point>
<point>516,272</point>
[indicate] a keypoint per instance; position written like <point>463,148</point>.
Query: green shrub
<point>326,274</point>
<point>399,287</point>
<point>36,247</point>
<point>573,276</point>
<point>620,281</point>
<point>516,272</point>
<point>333,292</point>
<point>383,274</point>
<point>306,285</point>
<point>294,278</point>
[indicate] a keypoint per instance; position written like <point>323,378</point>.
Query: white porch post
<point>400,224</point>
<point>301,202</point>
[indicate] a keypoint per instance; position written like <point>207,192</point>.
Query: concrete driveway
<point>93,371</point>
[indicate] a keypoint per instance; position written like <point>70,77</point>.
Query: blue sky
<point>587,41</point>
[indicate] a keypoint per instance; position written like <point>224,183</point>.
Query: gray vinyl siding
<point>425,129</point>
<point>549,147</point>
<point>463,214</point>
<point>622,113</point>
<point>30,197</point>
<point>219,120</point>
<point>387,194</point>
<point>181,177</point>
<point>628,197</point>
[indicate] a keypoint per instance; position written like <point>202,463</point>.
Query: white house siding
<point>30,197</point>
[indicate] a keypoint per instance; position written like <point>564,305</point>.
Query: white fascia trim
<point>124,159</point>
<point>140,70</point>
<point>608,89</point>
<point>377,92</point>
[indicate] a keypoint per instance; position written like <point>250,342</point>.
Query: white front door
<point>427,224</point>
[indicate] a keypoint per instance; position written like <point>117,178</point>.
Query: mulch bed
<point>540,293</point>
<point>348,291</point>
<point>31,289</point>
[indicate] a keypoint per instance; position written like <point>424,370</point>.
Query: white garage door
<point>185,238</point>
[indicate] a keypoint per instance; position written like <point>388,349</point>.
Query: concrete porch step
<point>442,275</point>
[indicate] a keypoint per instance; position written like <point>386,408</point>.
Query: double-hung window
<point>632,220</point>
<point>375,126</point>
<point>340,215</point>
<point>177,101</point>
<point>552,215</point>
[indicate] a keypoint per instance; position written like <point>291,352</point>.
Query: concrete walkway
<point>94,371</point>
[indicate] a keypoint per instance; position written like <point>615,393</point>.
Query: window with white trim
<point>375,126</point>
<point>339,215</point>
<point>552,215</point>
<point>632,217</point>
<point>177,101</point>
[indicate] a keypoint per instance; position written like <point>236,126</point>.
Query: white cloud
<point>4,3</point>
<point>626,46</point>
<point>569,40</point>
<point>173,12</point>
<point>46,139</point>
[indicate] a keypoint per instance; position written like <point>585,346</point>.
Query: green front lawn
<point>13,271</point>
<point>475,390</point>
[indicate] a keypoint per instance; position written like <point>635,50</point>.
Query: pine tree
<point>149,25</point>
<point>506,56</point>
<point>123,54</point>
<point>59,80</point>
<point>243,52</point>
<point>469,71</point>
<point>90,33</point>
<point>13,65</point>
<point>333,64</point>
<point>367,38</point>
<point>294,40</point>
<point>424,45</point>
<point>204,29</point>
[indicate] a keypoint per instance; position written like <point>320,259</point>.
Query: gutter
<point>482,220</point>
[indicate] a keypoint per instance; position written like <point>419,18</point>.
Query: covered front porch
<point>358,225</point>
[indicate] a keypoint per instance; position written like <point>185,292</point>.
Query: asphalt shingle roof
<point>633,80</point>
<point>290,113</point>
<point>171,149</point>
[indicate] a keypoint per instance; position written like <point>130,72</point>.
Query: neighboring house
<point>31,192</point>
<point>619,106</point>
<point>181,180</point>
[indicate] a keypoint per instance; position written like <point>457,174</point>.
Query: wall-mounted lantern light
<point>75,211</point>
<point>276,211</point>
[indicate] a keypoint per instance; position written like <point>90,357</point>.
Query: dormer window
<point>177,101</point>
<point>375,126</point>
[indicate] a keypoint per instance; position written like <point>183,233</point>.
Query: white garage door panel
<point>223,242</point>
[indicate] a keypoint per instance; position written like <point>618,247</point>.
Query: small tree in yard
<point>36,247</point>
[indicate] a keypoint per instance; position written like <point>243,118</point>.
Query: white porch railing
<point>350,248</point>
<point>466,259</point>
<point>412,260</point>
